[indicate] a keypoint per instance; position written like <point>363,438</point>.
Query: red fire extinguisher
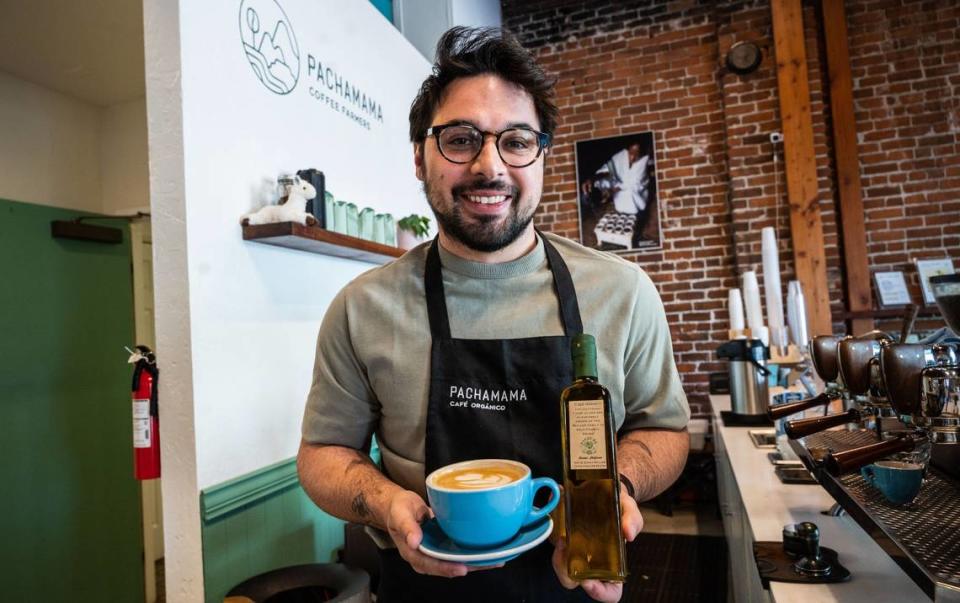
<point>146,418</point>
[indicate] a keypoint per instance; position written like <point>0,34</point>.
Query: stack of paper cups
<point>735,308</point>
<point>751,302</point>
<point>796,313</point>
<point>771,287</point>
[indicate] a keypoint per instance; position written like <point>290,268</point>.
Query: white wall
<point>61,151</point>
<point>424,21</point>
<point>476,13</point>
<point>124,178</point>
<point>237,321</point>
<point>49,147</point>
<point>255,309</point>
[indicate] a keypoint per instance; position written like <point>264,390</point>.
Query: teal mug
<point>898,481</point>
<point>484,503</point>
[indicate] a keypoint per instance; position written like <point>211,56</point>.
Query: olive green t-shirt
<point>372,369</point>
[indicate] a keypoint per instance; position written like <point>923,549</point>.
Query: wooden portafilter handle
<point>838,463</point>
<point>801,428</point>
<point>784,410</point>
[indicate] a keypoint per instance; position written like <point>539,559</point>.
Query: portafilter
<point>858,369</point>
<point>921,381</point>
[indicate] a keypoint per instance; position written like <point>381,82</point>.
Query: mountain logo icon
<point>270,44</point>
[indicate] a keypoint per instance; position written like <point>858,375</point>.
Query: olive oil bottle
<point>591,485</point>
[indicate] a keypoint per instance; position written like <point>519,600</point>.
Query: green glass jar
<point>328,204</point>
<point>366,223</point>
<point>340,217</point>
<point>389,230</point>
<point>353,220</point>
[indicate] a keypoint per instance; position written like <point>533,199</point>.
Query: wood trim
<point>806,226</point>
<point>850,221</point>
<point>223,499</point>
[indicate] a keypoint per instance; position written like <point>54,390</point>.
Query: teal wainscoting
<point>259,522</point>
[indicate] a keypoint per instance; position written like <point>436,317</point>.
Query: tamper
<point>812,563</point>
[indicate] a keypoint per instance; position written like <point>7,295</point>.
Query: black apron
<point>493,398</point>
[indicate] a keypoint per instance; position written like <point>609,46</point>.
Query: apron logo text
<point>484,399</point>
<point>487,395</point>
<point>478,405</point>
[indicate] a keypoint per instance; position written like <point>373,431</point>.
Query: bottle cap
<point>583,352</point>
<point>583,343</point>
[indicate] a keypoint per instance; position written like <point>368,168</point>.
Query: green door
<point>70,509</point>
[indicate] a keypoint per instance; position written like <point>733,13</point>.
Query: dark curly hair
<point>469,51</point>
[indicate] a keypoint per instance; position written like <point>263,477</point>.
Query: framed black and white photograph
<point>892,289</point>
<point>928,268</point>
<point>617,193</point>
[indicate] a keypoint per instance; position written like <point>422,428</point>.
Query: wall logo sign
<point>270,44</point>
<point>272,51</point>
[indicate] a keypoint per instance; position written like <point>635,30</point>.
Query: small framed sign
<point>891,289</point>
<point>928,268</point>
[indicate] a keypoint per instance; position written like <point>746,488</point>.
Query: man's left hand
<point>631,522</point>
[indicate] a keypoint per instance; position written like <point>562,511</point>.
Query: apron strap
<point>436,301</point>
<point>562,284</point>
<point>566,292</point>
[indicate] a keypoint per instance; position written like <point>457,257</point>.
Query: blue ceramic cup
<point>899,482</point>
<point>484,503</point>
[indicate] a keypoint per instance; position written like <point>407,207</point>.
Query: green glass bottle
<point>595,547</point>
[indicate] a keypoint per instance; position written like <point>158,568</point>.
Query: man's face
<point>485,204</point>
<point>633,152</point>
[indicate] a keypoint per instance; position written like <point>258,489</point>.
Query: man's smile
<point>486,199</point>
<point>485,202</point>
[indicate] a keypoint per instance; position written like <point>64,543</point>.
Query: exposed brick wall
<point>905,59</point>
<point>626,66</point>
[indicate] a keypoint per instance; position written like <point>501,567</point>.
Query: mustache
<point>487,185</point>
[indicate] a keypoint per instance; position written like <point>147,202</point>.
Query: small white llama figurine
<point>292,208</point>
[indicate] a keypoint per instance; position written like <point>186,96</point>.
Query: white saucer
<point>436,544</point>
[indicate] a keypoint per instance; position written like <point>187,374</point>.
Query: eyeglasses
<point>462,143</point>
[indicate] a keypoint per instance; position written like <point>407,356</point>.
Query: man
<point>626,176</point>
<point>478,307</point>
<point>629,172</point>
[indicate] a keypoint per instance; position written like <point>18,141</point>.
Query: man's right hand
<point>404,516</point>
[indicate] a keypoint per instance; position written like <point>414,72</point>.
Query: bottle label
<point>588,446</point>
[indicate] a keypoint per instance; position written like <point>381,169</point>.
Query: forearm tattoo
<point>359,506</point>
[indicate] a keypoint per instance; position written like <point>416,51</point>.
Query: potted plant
<point>412,230</point>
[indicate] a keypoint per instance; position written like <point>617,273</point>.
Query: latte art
<point>481,480</point>
<point>479,477</point>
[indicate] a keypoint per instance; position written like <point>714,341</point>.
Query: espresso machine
<point>823,355</point>
<point>903,404</point>
<point>920,385</point>
<point>850,367</point>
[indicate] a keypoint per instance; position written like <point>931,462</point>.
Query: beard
<point>480,233</point>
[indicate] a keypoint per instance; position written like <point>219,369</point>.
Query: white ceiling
<point>89,49</point>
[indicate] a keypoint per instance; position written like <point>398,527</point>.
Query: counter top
<point>771,504</point>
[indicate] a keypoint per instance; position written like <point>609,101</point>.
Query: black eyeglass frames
<point>462,143</point>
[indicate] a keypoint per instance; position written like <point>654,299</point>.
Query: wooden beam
<point>850,222</point>
<point>806,227</point>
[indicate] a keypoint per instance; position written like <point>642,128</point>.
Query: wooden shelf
<point>319,240</point>
<point>890,313</point>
